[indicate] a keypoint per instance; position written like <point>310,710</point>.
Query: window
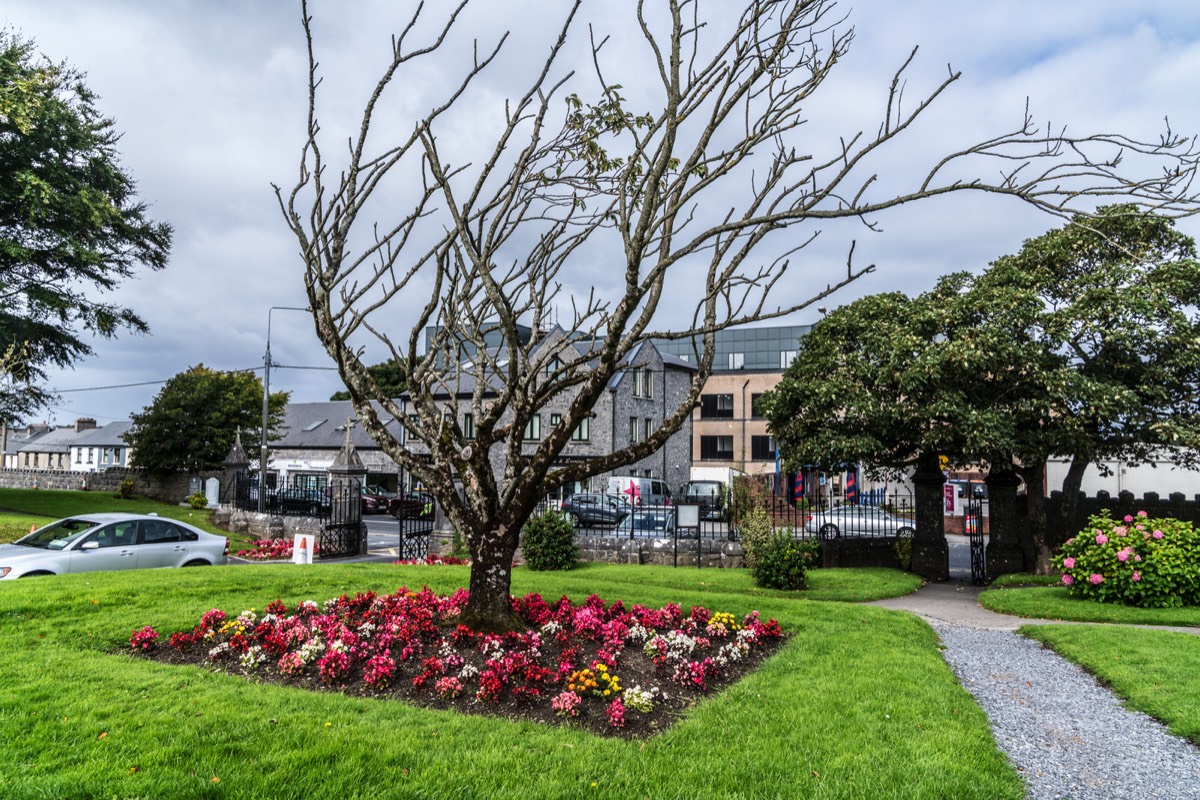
<point>78,456</point>
<point>755,410</point>
<point>716,448</point>
<point>762,448</point>
<point>737,360</point>
<point>581,432</point>
<point>649,428</point>
<point>716,406</point>
<point>91,455</point>
<point>633,429</point>
<point>643,382</point>
<point>554,366</point>
<point>533,429</point>
<point>468,426</point>
<point>555,420</point>
<point>158,531</point>
<point>786,357</point>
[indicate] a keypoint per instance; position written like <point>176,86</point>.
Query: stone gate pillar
<point>1004,553</point>
<point>930,554</point>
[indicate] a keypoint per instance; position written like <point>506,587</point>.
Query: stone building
<point>313,433</point>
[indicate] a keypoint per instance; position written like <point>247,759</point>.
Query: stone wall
<point>663,552</point>
<point>170,488</point>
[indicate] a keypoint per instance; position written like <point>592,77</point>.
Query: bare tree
<point>692,189</point>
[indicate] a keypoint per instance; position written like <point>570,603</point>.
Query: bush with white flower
<point>1139,561</point>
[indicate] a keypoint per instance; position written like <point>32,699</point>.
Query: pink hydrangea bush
<point>1136,560</point>
<point>409,641</point>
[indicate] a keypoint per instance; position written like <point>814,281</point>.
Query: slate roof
<point>111,435</point>
<point>58,440</point>
<point>321,426</point>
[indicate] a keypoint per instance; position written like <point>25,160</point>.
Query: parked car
<point>415,505</point>
<point>109,541</point>
<point>301,501</point>
<point>709,495</point>
<point>640,491</point>
<point>373,503</point>
<point>832,523</point>
<point>656,521</point>
<point>595,510</point>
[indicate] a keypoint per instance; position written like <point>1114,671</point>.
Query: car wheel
<point>574,518</point>
<point>37,574</point>
<point>829,531</point>
<point>906,533</point>
<point>197,562</point>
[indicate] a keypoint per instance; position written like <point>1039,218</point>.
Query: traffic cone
<point>33,528</point>
<point>304,550</point>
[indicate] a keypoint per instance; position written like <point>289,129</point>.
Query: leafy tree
<point>71,227</point>
<point>695,200</point>
<point>1085,344</point>
<point>391,376</point>
<point>192,423</point>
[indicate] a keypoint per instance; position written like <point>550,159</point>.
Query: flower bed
<point>436,560</point>
<point>271,550</point>
<point>1152,563</point>
<point>613,670</point>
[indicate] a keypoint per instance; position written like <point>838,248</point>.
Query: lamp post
<point>262,450</point>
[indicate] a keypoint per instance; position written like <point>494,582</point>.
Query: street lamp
<point>262,451</point>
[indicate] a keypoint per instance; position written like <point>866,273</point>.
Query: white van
<point>640,491</point>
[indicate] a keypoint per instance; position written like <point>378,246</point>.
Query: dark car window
<point>119,534</point>
<point>156,531</point>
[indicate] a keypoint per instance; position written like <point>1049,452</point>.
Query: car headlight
<point>4,571</point>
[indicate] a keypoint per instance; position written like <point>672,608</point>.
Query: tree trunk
<point>1035,485</point>
<point>1070,498</point>
<point>489,608</point>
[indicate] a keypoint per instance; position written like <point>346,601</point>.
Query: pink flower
<point>1142,514</point>
<point>1137,576</point>
<point>1070,540</point>
<point>1123,555</point>
<point>1158,534</point>
<point>1137,558</point>
<point>1096,579</point>
<point>1101,538</point>
<point>1128,518</point>
<point>1069,563</point>
<point>1120,531</point>
<point>1068,580</point>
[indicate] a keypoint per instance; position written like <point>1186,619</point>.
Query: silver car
<point>832,523</point>
<point>95,542</point>
<point>652,521</point>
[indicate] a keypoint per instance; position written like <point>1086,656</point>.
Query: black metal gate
<point>345,534</point>
<point>973,524</point>
<point>414,537</point>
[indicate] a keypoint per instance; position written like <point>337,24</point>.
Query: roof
<point>322,426</point>
<point>58,440</point>
<point>111,435</point>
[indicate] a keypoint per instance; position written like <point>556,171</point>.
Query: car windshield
<point>57,535</point>
<point>702,489</point>
<point>647,521</point>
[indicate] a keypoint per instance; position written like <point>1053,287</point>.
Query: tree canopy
<point>195,417</point>
<point>697,197</point>
<point>71,227</point>
<point>391,376</point>
<point>1085,344</point>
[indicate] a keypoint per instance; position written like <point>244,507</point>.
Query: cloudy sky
<point>210,95</point>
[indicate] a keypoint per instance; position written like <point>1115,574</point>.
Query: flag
<point>852,485</point>
<point>798,486</point>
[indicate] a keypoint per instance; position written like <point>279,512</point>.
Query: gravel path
<point>1069,736</point>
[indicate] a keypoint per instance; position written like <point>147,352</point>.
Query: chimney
<point>84,424</point>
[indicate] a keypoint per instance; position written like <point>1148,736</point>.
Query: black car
<point>301,501</point>
<point>415,505</point>
<point>709,495</point>
<point>595,510</point>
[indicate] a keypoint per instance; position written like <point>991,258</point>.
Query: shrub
<point>782,562</point>
<point>197,500</point>
<point>1152,563</point>
<point>755,529</point>
<point>125,489</point>
<point>549,542</point>
<point>903,549</point>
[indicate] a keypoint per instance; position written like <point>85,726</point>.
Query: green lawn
<point>1155,671</point>
<point>1054,603</point>
<point>47,505</point>
<point>1025,579</point>
<point>858,704</point>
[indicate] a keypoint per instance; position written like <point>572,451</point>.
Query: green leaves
<point>194,419</point>
<point>69,222</point>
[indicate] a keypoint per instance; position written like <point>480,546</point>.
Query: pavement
<point>958,604</point>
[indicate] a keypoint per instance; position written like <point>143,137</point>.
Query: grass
<point>1025,579</point>
<point>858,704</point>
<point>46,505</point>
<point>1155,671</point>
<point>1056,603</point>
